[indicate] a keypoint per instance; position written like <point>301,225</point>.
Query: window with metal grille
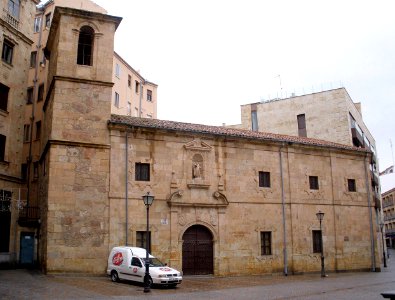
<point>266,243</point>
<point>142,172</point>
<point>313,180</point>
<point>8,51</point>
<point>264,179</point>
<point>352,187</point>
<point>85,46</point>
<point>302,125</point>
<point>317,241</point>
<point>141,240</point>
<point>4,96</point>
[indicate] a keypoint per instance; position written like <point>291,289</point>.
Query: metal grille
<point>197,251</point>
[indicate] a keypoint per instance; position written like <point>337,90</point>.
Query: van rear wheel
<point>114,276</point>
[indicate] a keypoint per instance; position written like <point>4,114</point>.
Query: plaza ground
<point>31,284</point>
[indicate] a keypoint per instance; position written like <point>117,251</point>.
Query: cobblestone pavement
<point>29,284</point>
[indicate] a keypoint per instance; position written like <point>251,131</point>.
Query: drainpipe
<point>283,208</point>
<point>126,188</point>
<point>372,244</point>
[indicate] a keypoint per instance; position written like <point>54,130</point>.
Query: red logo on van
<point>117,259</point>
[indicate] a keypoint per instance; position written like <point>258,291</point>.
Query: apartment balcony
<point>10,19</point>
<point>29,216</point>
<point>376,200</point>
<point>375,178</point>
<point>357,138</point>
<point>390,232</point>
<point>389,218</point>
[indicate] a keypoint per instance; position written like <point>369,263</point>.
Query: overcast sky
<point>211,56</point>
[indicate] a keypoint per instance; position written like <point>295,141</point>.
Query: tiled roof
<point>224,131</point>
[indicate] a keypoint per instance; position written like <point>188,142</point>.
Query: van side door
<point>137,270</point>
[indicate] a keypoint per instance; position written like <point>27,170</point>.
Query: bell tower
<point>76,156</point>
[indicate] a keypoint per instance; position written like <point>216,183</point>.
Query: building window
<point>317,241</point>
<point>35,170</point>
<point>26,133</point>
<point>40,95</point>
<point>129,108</point>
<point>116,100</point>
<point>141,240</point>
<point>24,172</point>
<point>352,187</point>
<point>4,96</point>
<point>137,87</point>
<point>254,120</point>
<point>266,243</point>
<point>29,96</point>
<point>264,179</point>
<point>48,20</point>
<point>117,70</point>
<point>8,50</point>
<point>142,172</point>
<point>33,59</point>
<point>85,46</point>
<point>149,95</point>
<point>37,24</point>
<point>38,130</point>
<point>313,180</point>
<point>2,147</point>
<point>302,125</point>
<point>13,8</point>
<point>129,81</point>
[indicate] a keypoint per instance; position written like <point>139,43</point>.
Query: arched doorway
<point>197,251</point>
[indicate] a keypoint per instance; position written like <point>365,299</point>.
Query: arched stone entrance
<point>197,251</point>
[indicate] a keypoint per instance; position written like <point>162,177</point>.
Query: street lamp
<point>320,217</point>
<point>382,237</point>
<point>148,199</point>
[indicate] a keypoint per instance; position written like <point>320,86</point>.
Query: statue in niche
<point>197,166</point>
<point>196,170</point>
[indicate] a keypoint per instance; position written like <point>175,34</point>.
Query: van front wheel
<point>114,276</point>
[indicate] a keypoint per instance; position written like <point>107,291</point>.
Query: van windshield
<point>154,262</point>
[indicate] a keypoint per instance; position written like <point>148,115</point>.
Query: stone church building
<point>227,201</point>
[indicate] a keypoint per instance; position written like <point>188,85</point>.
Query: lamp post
<point>320,217</point>
<point>148,199</point>
<point>382,237</point>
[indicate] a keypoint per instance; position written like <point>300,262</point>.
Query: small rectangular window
<point>37,24</point>
<point>29,96</point>
<point>24,171</point>
<point>26,133</point>
<point>149,95</point>
<point>4,90</point>
<point>137,87</point>
<point>317,241</point>
<point>38,130</point>
<point>352,187</point>
<point>40,95</point>
<point>266,243</point>
<point>264,179</point>
<point>2,147</point>
<point>254,120</point>
<point>48,20</point>
<point>116,100</point>
<point>141,240</point>
<point>8,51</point>
<point>13,8</point>
<point>35,170</point>
<point>33,59</point>
<point>129,81</point>
<point>142,172</point>
<point>313,180</point>
<point>302,125</point>
<point>117,70</point>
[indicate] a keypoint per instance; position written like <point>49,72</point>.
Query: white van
<point>129,263</point>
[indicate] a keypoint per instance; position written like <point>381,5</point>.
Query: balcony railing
<point>390,232</point>
<point>10,19</point>
<point>29,216</point>
<point>389,218</point>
